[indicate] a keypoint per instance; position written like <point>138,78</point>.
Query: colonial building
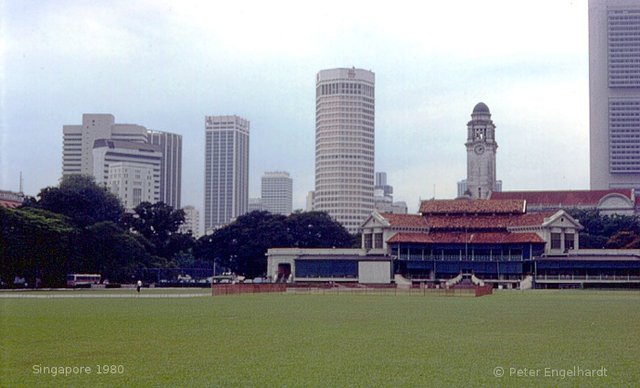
<point>491,241</point>
<point>494,240</point>
<point>607,202</point>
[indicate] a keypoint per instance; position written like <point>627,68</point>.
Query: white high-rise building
<point>226,178</point>
<point>108,152</point>
<point>132,182</point>
<point>277,192</point>
<point>171,168</point>
<point>345,145</point>
<point>191,222</point>
<point>614,93</point>
<point>79,142</point>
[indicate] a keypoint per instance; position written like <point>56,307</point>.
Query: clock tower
<point>481,153</point>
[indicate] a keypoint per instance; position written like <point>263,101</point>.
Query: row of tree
<point>607,231</point>
<point>81,227</point>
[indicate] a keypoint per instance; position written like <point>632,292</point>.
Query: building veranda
<point>475,241</point>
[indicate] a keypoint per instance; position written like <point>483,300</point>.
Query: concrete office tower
<point>481,153</point>
<point>277,192</point>
<point>345,145</point>
<point>78,140</point>
<point>191,221</point>
<point>308,207</point>
<point>107,152</point>
<point>614,93</point>
<point>226,177</point>
<point>132,182</point>
<point>256,205</point>
<point>171,168</point>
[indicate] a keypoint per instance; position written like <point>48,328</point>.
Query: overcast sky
<point>165,65</point>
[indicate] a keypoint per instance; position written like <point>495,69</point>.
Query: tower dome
<point>481,107</point>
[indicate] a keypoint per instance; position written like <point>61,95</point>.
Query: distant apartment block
<point>191,221</point>
<point>256,205</point>
<point>226,180</point>
<point>277,192</point>
<point>614,93</point>
<point>383,196</point>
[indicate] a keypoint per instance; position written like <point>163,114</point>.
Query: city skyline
<point>430,68</point>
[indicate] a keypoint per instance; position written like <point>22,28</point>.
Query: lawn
<point>325,340</point>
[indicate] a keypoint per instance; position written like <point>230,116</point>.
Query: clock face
<point>479,149</point>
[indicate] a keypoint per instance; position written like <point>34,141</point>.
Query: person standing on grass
<point>139,286</point>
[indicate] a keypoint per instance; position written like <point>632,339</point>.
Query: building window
<point>367,241</point>
<point>556,242</point>
<point>378,241</point>
<point>569,241</point>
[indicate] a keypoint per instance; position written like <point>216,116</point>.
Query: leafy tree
<point>81,199</point>
<point>159,224</point>
<point>316,230</point>
<point>35,243</point>
<point>242,245</point>
<point>611,231</point>
<point>113,252</point>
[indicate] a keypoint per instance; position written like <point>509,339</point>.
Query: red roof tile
<point>9,204</point>
<point>468,238</point>
<point>405,220</point>
<point>566,198</point>
<point>466,206</point>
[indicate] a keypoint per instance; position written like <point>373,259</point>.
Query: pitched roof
<point>477,206</point>
<point>405,220</point>
<point>465,221</point>
<point>9,204</point>
<point>566,198</point>
<point>466,238</point>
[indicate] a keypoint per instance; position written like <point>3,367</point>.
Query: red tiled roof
<point>469,238</point>
<point>466,206</point>
<point>9,204</point>
<point>466,221</point>
<point>565,198</point>
<point>405,220</point>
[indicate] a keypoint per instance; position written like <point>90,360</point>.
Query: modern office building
<point>345,145</point>
<point>614,93</point>
<point>256,205</point>
<point>226,180</point>
<point>191,222</point>
<point>277,192</point>
<point>171,168</point>
<point>383,196</point>
<point>132,182</point>
<point>79,142</point>
<point>108,152</point>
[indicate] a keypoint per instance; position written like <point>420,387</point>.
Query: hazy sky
<point>165,65</point>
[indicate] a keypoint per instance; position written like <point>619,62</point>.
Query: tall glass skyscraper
<point>614,93</point>
<point>226,177</point>
<point>345,145</point>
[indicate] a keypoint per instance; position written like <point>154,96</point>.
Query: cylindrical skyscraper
<point>345,145</point>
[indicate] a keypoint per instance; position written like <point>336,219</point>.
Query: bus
<point>82,279</point>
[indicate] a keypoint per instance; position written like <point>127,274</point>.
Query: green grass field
<point>324,340</point>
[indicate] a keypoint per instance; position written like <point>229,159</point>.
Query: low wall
<point>234,289</point>
<point>487,289</point>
